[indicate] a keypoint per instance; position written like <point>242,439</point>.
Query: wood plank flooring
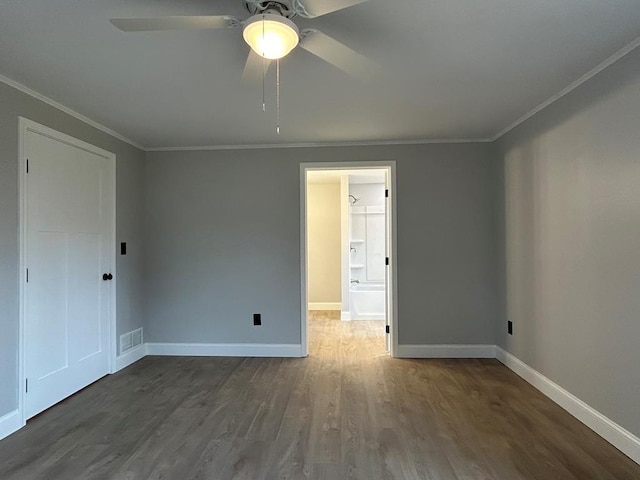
<point>348,411</point>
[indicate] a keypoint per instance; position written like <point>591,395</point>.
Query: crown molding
<point>372,143</point>
<point>572,86</point>
<point>37,95</point>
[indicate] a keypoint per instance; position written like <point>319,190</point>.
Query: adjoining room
<point>348,225</point>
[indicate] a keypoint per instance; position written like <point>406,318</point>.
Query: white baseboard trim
<point>325,306</point>
<point>225,349</point>
<point>9,423</point>
<point>345,315</point>
<point>620,438</point>
<point>446,351</point>
<point>130,357</point>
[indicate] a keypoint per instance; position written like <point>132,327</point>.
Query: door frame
<point>393,274</point>
<point>24,126</point>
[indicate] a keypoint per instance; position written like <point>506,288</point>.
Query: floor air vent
<point>125,342</point>
<point>136,337</point>
<point>130,340</point>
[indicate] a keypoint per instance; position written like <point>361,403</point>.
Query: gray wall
<point>222,241</point>
<point>14,103</point>
<point>572,235</point>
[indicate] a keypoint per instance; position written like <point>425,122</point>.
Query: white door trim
<point>24,126</point>
<point>393,277</point>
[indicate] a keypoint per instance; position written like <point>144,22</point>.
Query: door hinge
<point>27,165</point>
<point>386,328</point>
<point>26,385</point>
<point>27,275</point>
<point>386,193</point>
<point>386,261</point>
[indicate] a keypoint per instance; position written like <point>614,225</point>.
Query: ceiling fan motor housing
<point>283,8</point>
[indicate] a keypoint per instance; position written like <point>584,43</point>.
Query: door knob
<point>107,276</point>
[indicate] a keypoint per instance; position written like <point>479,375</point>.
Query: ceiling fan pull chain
<point>264,72</point>
<point>278,96</point>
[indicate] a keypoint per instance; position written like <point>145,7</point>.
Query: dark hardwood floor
<point>348,411</point>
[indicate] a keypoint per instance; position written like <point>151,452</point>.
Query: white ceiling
<point>450,69</point>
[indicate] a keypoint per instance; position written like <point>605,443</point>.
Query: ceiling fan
<point>270,33</point>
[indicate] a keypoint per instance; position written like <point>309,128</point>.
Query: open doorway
<point>347,246</point>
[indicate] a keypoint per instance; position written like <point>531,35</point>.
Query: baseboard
<point>130,357</point>
<point>345,315</point>
<point>225,349</point>
<point>446,351</point>
<point>9,423</point>
<point>324,306</point>
<point>620,438</point>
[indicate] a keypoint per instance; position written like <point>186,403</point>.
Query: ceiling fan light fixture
<point>271,36</point>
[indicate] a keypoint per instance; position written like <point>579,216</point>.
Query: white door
<point>68,233</point>
<point>387,277</point>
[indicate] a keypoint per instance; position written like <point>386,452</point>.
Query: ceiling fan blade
<point>255,68</point>
<point>338,54</point>
<point>175,23</point>
<point>316,8</point>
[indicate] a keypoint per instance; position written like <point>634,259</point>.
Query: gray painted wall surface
<point>14,103</point>
<point>222,240</point>
<point>572,211</point>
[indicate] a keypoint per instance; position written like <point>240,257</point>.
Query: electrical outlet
<point>509,327</point>
<point>257,319</point>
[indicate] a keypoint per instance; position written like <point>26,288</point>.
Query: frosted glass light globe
<point>271,36</point>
